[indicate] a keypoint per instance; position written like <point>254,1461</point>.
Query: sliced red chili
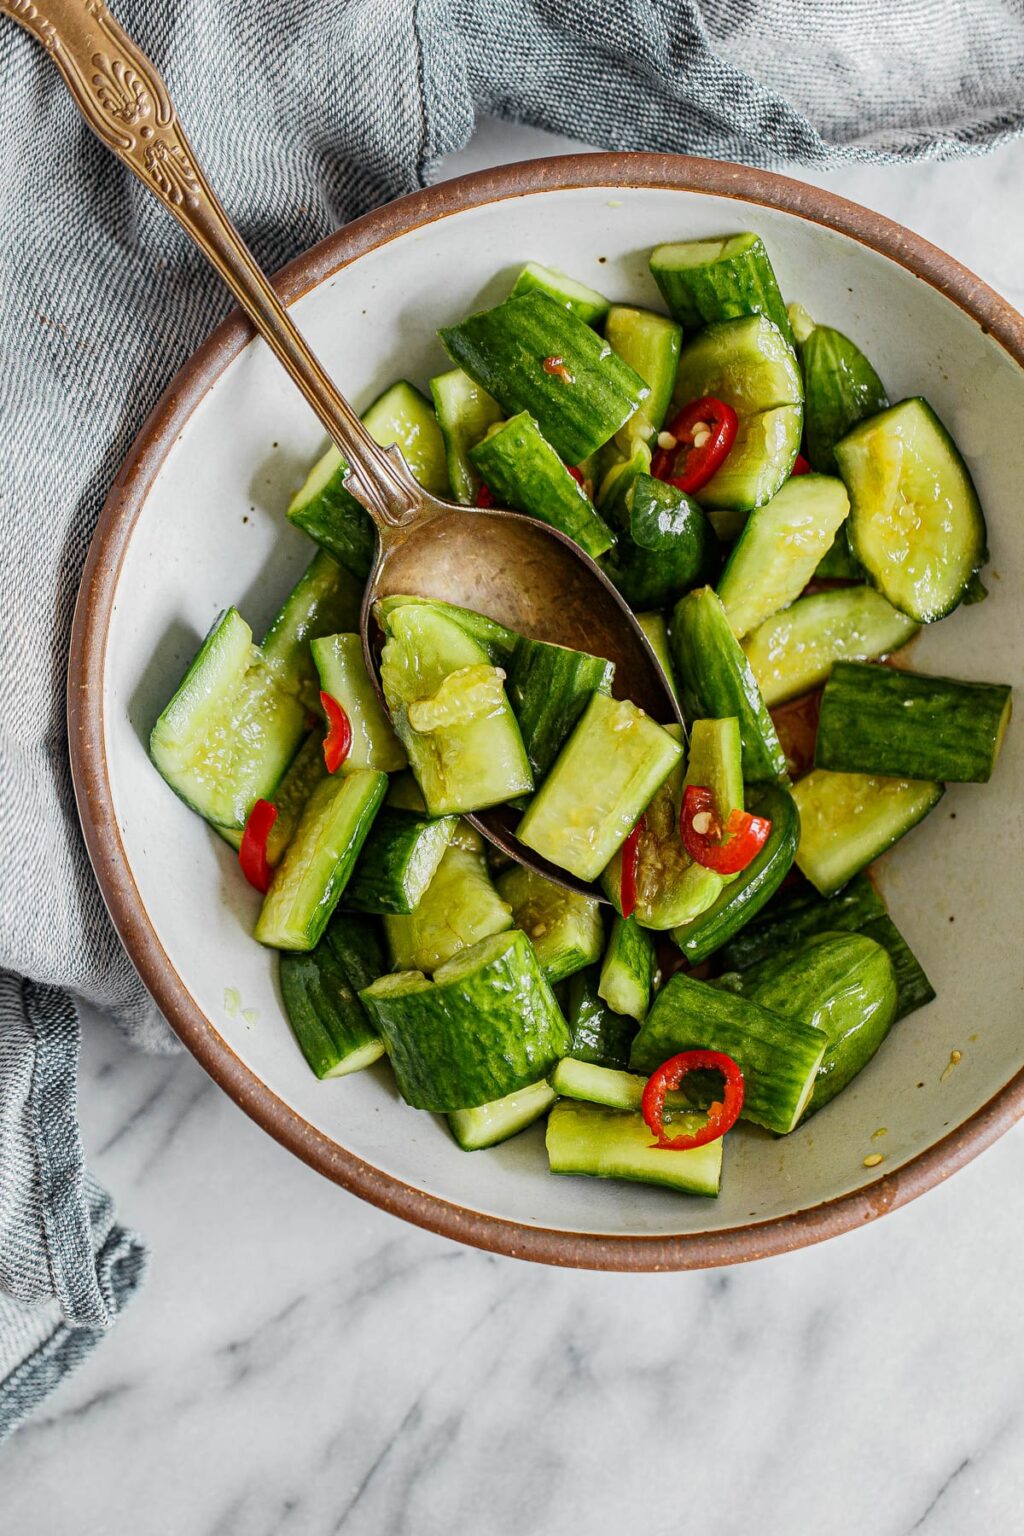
<point>484,498</point>
<point>702,833</point>
<point>338,741</point>
<point>577,474</point>
<point>630,864</point>
<point>800,467</point>
<point>705,431</point>
<point>722,1115</point>
<point>252,850</point>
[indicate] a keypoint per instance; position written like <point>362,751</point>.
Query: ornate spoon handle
<point>126,103</point>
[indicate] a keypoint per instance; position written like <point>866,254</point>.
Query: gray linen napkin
<point>330,110</point>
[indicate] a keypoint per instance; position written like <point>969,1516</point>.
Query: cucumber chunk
<point>616,474</point>
<point>779,1057</point>
<point>525,473</point>
<point>848,819</point>
<point>459,908</point>
<point>586,303</point>
<point>230,731</point>
<point>342,672</point>
<point>607,1144</point>
<point>487,1025</point>
<point>627,970</point>
<point>304,773</point>
<point>667,547</point>
<point>670,887</point>
<point>320,993</point>
<point>913,989</point>
<point>656,631</point>
<point>703,281</point>
<point>717,682</point>
<point>599,1035</point>
<point>800,915</point>
<point>592,1084</point>
<point>549,687</point>
<point>465,412</point>
<point>399,860</point>
<point>750,365</point>
<point>330,514</point>
<point>840,389</point>
<point>916,523</point>
<point>779,549</point>
<point>650,344</point>
<point>838,563</point>
<point>794,651</point>
<point>841,984</point>
<point>600,783</point>
<point>903,724</point>
<point>564,927</point>
<point>497,641</point>
<point>489,1124</point>
<point>750,890</point>
<point>325,598</point>
<point>473,762</point>
<point>317,863</point>
<point>579,401</point>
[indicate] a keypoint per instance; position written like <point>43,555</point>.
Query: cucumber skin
<point>525,473</point>
<point>650,344</point>
<point>609,1144</point>
<point>753,889</point>
<point>905,725</point>
<point>339,524</point>
<point>325,599</point>
<point>585,302</point>
<point>464,413</point>
<point>338,659</point>
<point>599,1035</point>
<point>840,389</point>
<point>433,1036</point>
<point>399,859</point>
<point>627,970</point>
<point>913,989</point>
<point>320,993</point>
<point>717,682</point>
<point>548,688</point>
<point>843,984</point>
<point>503,349</point>
<point>459,908</point>
<point>742,282</point>
<point>669,546</point>
<point>573,933</point>
<point>779,1059</point>
<point>801,915</point>
<point>490,1124</point>
<point>923,793</point>
<point>496,640</point>
<point>294,920</point>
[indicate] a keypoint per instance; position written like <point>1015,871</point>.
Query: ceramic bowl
<point>196,521</point>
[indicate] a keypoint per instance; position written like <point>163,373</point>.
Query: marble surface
<point>302,1363</point>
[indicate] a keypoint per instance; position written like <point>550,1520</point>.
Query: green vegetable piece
<point>524,472</point>
<point>799,915</point>
<point>579,400</point>
<point>656,631</point>
<point>703,281</point>
<point>627,970</point>
<point>549,687</point>
<point>794,651</point>
<point>717,682</point>
<point>840,389</point>
<point>913,989</point>
<point>399,860</point>
<point>564,927</point>
<point>601,781</point>
<point>779,1058</point>
<point>465,413</point>
<point>342,673</point>
<point>489,1124</point>
<point>586,303</point>
<point>668,547</point>
<point>494,992</point>
<point>304,774</point>
<point>459,908</point>
<point>320,993</point>
<point>599,1035</point>
<point>650,344</point>
<point>318,861</point>
<point>607,1144</point>
<point>324,599</point>
<point>573,1079</point>
<point>903,724</point>
<point>330,514</point>
<point>848,819</point>
<point>495,639</point>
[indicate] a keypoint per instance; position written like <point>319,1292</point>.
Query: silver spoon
<point>510,567</point>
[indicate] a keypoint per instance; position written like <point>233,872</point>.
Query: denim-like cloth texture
<point>329,111</point>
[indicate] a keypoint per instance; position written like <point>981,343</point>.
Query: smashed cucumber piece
<point>459,908</point>
<point>564,927</point>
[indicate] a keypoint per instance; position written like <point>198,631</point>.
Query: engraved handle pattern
<point>125,102</point>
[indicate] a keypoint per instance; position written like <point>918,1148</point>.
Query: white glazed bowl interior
<point>212,532</point>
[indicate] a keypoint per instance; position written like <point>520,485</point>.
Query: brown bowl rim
<point>92,782</point>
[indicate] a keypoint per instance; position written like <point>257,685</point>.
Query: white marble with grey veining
<point>302,1363</point>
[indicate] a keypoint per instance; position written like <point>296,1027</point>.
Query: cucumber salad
<point>780,529</point>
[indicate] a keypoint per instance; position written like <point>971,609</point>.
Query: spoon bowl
<point>536,581</point>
